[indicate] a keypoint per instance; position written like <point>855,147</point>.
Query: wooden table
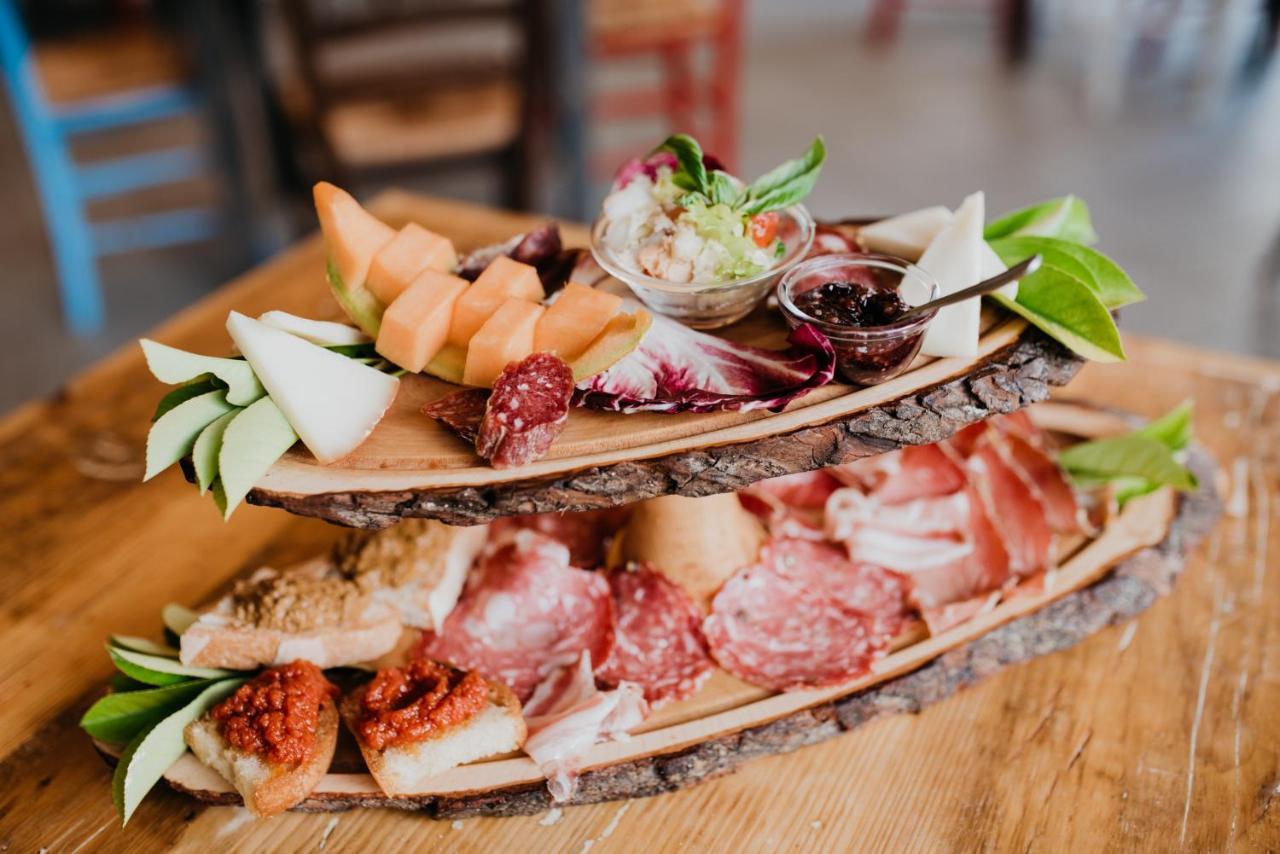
<point>1157,735</point>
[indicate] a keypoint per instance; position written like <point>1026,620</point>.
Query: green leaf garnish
<point>120,716</point>
<point>1103,276</point>
<point>152,751</point>
<point>1139,462</point>
<point>159,671</point>
<point>1069,311</point>
<point>781,187</point>
<point>174,434</point>
<point>1066,217</point>
<point>692,172</point>
<point>173,366</point>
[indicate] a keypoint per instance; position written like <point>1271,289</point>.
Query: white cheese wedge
<point>993,266</point>
<point>332,402</point>
<point>905,235</point>
<point>326,333</point>
<point>954,259</point>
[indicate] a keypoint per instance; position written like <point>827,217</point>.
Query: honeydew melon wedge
<point>332,402</point>
<point>257,437</point>
<point>171,365</point>
<point>905,235</point>
<point>174,433</point>
<point>325,333</point>
<point>143,645</point>
<point>622,334</point>
<point>954,259</point>
<point>158,669</point>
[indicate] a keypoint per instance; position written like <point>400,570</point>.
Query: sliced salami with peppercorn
<point>460,412</point>
<point>526,411</point>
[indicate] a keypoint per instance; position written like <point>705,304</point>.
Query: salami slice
<point>526,411</point>
<point>782,634</point>
<point>460,412</point>
<point>657,642</point>
<point>524,613</point>
<point>861,587</point>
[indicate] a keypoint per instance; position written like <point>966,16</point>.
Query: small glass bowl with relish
<point>854,299</point>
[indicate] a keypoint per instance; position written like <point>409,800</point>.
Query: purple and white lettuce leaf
<point>678,369</point>
<point>650,165</point>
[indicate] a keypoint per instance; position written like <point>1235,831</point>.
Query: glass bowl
<point>710,306</point>
<point>865,355</point>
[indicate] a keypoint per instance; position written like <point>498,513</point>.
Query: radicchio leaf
<point>658,160</point>
<point>540,248</point>
<point>678,369</point>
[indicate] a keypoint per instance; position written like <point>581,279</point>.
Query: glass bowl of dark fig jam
<point>856,300</point>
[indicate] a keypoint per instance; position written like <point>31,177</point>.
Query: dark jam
<point>851,304</point>
<point>276,715</point>
<point>865,299</point>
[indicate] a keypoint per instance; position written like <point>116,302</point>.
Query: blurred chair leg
<point>883,22</point>
<point>55,178</point>
<point>678,83</point>
<point>726,83</point>
<point>1015,22</point>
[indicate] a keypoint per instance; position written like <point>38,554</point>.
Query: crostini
<point>309,612</point>
<point>273,739</point>
<point>414,722</point>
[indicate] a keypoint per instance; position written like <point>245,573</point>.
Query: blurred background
<point>150,151</point>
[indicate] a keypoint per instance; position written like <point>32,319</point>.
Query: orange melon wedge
<point>503,279</point>
<point>411,251</point>
<point>505,337</point>
<point>415,326</point>
<point>352,237</point>
<point>573,321</point>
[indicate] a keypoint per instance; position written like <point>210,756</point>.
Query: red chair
<point>672,31</point>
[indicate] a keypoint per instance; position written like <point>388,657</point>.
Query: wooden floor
<point>1159,735</point>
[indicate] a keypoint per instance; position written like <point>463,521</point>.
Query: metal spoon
<point>986,286</point>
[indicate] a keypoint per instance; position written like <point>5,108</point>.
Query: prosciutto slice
<point>1024,526</point>
<point>584,534</point>
<point>791,505</point>
<point>524,613</point>
<point>567,715</point>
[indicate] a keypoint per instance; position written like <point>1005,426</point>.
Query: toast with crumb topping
<point>273,617</point>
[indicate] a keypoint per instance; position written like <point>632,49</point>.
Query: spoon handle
<point>1017,271</point>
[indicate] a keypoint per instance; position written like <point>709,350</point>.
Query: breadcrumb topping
<point>297,602</point>
<point>412,551</point>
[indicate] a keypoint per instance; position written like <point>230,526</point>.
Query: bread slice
<point>417,567</point>
<point>267,790</point>
<point>307,612</point>
<point>407,769</point>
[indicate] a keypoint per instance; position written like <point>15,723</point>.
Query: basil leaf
<point>183,393</point>
<point>1066,217</point>
<point>1132,455</point>
<point>120,684</point>
<point>152,751</point>
<point>689,155</point>
<point>1112,285</point>
<point>1068,311</point>
<point>723,192</point>
<point>786,184</point>
<point>120,716</point>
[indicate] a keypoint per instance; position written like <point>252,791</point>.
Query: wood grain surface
<point>1158,735</point>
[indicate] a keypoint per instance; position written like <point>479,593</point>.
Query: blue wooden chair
<point>65,187</point>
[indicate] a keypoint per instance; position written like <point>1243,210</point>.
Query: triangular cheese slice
<point>331,401</point>
<point>954,258</point>
<point>905,235</point>
<point>992,266</point>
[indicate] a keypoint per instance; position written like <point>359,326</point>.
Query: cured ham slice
<point>566,715</point>
<point>924,471</point>
<point>524,613</point>
<point>1047,481</point>
<point>657,641</point>
<point>848,509</point>
<point>781,634</point>
<point>1023,524</point>
<point>944,617</point>
<point>584,534</point>
<point>792,505</point>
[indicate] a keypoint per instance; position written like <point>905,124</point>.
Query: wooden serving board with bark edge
<point>1097,582</point>
<point>412,467</point>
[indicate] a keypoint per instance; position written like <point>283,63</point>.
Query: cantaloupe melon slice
<point>507,336</point>
<point>352,236</point>
<point>573,321</point>
<point>411,251</point>
<point>502,279</point>
<point>622,334</point>
<point>415,326</point>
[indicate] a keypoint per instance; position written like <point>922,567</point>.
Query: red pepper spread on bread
<point>276,714</point>
<point>407,704</point>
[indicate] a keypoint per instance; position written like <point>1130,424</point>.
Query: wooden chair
<point>84,85</point>
<point>487,109</point>
<point>1013,19</point>
<point>672,31</point>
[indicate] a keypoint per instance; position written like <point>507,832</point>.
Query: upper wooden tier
<point>410,466</point>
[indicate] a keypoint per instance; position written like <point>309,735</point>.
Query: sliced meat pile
<point>804,616</point>
<point>958,519</point>
<point>585,534</point>
<point>525,612</point>
<point>657,641</point>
